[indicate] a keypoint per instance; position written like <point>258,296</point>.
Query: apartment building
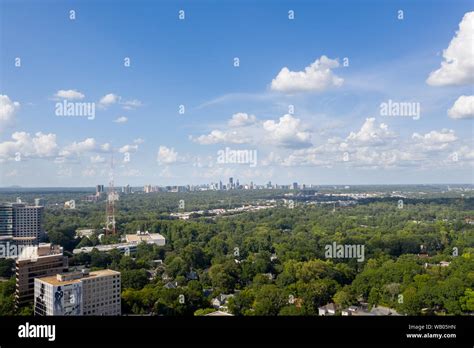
<point>79,293</point>
<point>21,223</point>
<point>43,260</point>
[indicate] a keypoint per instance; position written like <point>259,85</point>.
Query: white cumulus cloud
<point>241,119</point>
<point>8,109</point>
<point>463,107</point>
<point>371,133</point>
<point>287,132</point>
<point>128,148</point>
<point>131,104</point>
<point>166,155</point>
<point>38,146</point>
<point>69,94</point>
<point>218,136</point>
<point>458,65</point>
<point>78,148</point>
<point>435,137</point>
<point>121,119</point>
<point>316,77</point>
<point>109,99</point>
<point>435,140</point>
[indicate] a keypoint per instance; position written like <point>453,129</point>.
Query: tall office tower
<point>99,189</point>
<point>295,186</point>
<point>220,185</point>
<point>44,260</point>
<point>78,293</point>
<point>126,189</point>
<point>27,224</point>
<point>231,183</point>
<point>22,223</point>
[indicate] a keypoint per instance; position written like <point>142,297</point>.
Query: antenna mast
<point>110,203</point>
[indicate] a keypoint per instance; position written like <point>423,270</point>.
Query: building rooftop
<point>29,252</point>
<point>109,247</point>
<point>219,314</point>
<point>76,277</point>
<point>144,237</point>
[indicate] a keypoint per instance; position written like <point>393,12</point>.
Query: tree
<point>224,276</point>
<point>269,300</point>
<point>315,294</point>
<point>374,297</point>
<point>64,236</point>
<point>134,279</point>
<point>259,280</point>
<point>177,267</point>
<point>344,297</point>
<point>6,267</point>
<point>99,259</point>
<point>7,290</point>
<point>313,269</point>
<point>127,263</point>
<point>242,302</point>
<point>194,256</point>
<point>203,311</point>
<point>410,301</point>
<point>291,310</point>
<point>467,301</point>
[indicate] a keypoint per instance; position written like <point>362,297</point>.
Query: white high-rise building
<point>21,222</point>
<point>79,293</point>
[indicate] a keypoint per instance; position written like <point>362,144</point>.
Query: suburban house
<point>329,309</point>
<point>220,302</point>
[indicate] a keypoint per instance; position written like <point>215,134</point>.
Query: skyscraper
<point>99,189</point>
<point>22,223</point>
<point>27,224</point>
<point>126,189</point>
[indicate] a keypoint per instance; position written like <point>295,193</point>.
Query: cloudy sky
<point>325,92</point>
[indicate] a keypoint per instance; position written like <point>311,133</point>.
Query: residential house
<point>329,309</point>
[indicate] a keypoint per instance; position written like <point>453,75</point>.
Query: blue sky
<point>336,134</point>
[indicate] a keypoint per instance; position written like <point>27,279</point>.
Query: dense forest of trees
<point>273,261</point>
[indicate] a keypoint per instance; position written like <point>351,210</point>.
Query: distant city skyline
<point>197,92</point>
<point>213,185</point>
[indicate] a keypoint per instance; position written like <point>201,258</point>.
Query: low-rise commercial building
<point>130,245</point>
